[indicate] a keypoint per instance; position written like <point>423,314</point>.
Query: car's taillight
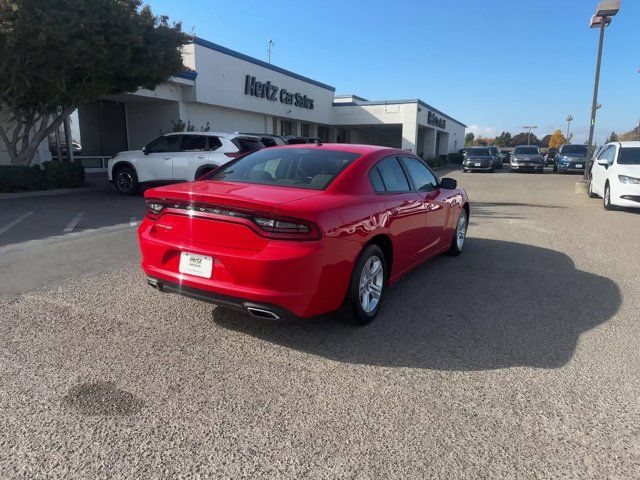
<point>154,209</point>
<point>264,224</point>
<point>233,154</point>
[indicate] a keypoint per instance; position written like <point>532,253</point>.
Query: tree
<point>557,139</point>
<point>521,139</point>
<point>544,141</point>
<point>468,139</point>
<point>482,142</point>
<point>613,137</point>
<point>630,135</point>
<point>58,54</point>
<point>503,140</point>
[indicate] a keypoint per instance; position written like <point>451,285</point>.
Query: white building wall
<point>221,82</point>
<point>148,120</point>
<point>226,119</point>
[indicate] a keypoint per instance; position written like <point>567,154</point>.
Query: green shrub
<point>50,175</point>
<point>63,174</point>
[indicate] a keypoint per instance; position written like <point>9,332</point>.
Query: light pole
<point>270,45</point>
<point>604,12</point>
<point>569,120</point>
<point>529,136</point>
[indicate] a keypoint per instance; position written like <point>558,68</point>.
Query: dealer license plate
<point>193,264</point>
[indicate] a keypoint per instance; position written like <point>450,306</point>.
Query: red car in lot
<point>301,231</point>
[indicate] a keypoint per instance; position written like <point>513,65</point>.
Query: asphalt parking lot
<point>518,359</point>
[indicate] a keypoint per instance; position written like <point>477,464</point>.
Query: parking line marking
<point>73,223</point>
<point>13,223</point>
<point>133,221</point>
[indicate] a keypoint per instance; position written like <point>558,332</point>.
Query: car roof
<point>215,134</point>
<point>628,144</point>
<point>534,146</point>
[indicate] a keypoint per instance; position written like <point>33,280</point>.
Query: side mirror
<point>145,151</point>
<point>449,183</point>
<point>604,163</point>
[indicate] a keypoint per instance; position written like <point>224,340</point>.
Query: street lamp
<point>601,19</point>
<point>569,120</point>
<point>527,127</point>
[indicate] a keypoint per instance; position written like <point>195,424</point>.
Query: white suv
<point>615,175</point>
<point>177,157</point>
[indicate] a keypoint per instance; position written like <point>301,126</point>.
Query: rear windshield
<point>287,167</point>
<point>246,145</point>
<point>574,150</point>
<point>629,156</point>
<point>526,151</point>
<point>478,152</point>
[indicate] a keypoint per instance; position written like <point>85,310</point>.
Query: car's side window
<point>193,143</point>
<point>169,143</point>
<point>609,155</point>
<point>392,175</point>
<point>423,179</point>
<point>376,180</point>
<point>214,143</point>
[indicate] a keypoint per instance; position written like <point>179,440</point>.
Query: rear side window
<point>214,143</point>
<point>268,142</point>
<point>392,175</point>
<point>193,143</point>
<point>246,144</point>
<point>287,167</point>
<point>422,177</point>
<point>376,180</point>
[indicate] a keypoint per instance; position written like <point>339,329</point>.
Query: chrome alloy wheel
<point>371,284</point>
<point>461,230</point>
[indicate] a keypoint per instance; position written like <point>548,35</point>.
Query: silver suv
<point>527,158</point>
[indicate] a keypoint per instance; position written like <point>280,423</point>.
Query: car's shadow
<point>500,304</point>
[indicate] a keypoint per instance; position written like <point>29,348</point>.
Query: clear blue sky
<point>494,65</point>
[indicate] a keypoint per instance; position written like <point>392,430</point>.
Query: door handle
<point>395,212</point>
<point>200,156</point>
<point>167,158</point>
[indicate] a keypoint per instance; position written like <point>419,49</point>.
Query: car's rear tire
<point>366,288</point>
<point>125,180</point>
<point>460,235</point>
<point>606,199</point>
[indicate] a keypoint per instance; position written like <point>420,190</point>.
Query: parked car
<point>571,158</point>
<point>301,231</point>
<point>177,157</point>
<point>267,139</point>
<point>76,148</point>
<point>527,158</point>
<point>505,155</point>
<point>550,157</point>
<point>294,140</point>
<point>615,175</point>
<point>479,159</point>
<point>495,152</point>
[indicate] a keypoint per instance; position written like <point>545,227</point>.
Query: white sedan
<point>615,175</point>
<point>177,157</point>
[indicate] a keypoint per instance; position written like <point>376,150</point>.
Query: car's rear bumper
<point>303,278</point>
<point>257,309</point>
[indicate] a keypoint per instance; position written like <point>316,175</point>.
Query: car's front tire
<point>366,288</point>
<point>125,180</point>
<point>606,199</point>
<point>460,235</point>
<point>591,193</point>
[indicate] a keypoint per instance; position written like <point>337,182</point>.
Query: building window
<point>323,133</point>
<point>286,127</point>
<point>305,128</point>
<point>343,135</point>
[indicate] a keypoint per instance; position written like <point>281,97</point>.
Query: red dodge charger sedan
<point>301,231</point>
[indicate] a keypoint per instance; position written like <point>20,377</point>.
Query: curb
<point>44,193</point>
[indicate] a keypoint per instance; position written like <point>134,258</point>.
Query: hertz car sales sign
<point>271,92</point>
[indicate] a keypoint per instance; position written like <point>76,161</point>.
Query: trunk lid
<point>188,219</point>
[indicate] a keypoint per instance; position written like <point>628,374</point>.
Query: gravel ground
<point>518,359</point>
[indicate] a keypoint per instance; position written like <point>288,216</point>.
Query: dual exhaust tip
<point>253,311</point>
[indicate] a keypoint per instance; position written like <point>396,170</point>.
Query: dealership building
<point>228,91</point>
